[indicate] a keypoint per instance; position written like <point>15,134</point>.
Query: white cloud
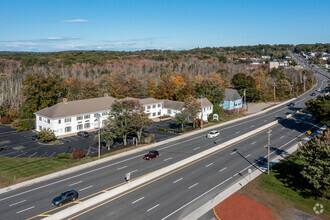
<point>75,20</point>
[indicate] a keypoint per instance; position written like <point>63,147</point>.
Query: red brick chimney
<point>106,95</point>
<point>65,100</point>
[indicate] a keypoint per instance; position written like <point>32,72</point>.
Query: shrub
<point>64,156</point>
<point>77,154</point>
<point>46,135</point>
<point>170,131</point>
<point>5,120</point>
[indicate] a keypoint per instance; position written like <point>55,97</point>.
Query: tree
<point>241,81</point>
<point>320,109</point>
<point>316,163</point>
<point>140,120</point>
<point>192,107</point>
<point>110,132</point>
<point>181,118</point>
<point>41,91</point>
<point>46,135</point>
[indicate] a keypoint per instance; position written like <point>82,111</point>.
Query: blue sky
<point>56,25</point>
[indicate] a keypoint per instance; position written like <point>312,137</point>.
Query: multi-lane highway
<point>174,195</point>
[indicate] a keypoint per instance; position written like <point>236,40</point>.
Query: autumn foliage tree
<point>192,107</point>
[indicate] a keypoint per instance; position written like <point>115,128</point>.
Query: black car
<point>313,94</point>
<point>291,104</point>
<point>83,133</point>
<point>65,197</point>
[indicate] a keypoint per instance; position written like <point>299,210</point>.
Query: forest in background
<point>32,81</point>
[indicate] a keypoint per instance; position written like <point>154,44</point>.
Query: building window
<point>169,111</point>
<point>104,122</point>
<point>86,116</point>
<point>40,128</point>
<point>40,118</point>
<point>105,113</point>
<point>59,121</point>
<point>153,106</point>
<point>158,113</point>
<point>48,121</point>
<point>148,107</point>
<point>87,125</point>
<point>96,115</point>
<point>79,118</point>
<point>79,127</point>
<point>67,120</point>
<point>159,105</point>
<point>67,129</point>
<point>154,114</point>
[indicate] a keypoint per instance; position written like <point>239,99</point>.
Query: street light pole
<point>274,85</point>
<point>269,133</point>
<point>99,135</point>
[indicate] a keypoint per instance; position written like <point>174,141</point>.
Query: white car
<point>213,134</point>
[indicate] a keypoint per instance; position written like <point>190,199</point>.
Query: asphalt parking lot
<point>20,144</point>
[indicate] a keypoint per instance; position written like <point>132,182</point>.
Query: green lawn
<point>286,182</point>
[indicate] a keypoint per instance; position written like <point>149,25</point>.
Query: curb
<point>107,159</point>
<point>114,192</point>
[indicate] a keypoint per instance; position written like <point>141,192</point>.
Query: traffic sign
<point>309,132</point>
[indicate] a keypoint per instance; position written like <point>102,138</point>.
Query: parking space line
<point>52,154</point>
<point>33,154</point>
<point>43,154</point>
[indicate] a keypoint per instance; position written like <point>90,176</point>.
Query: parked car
<point>291,104</point>
<point>35,137</point>
<point>83,133</point>
<point>151,154</point>
<point>68,196</point>
<point>213,134</point>
<point>298,121</point>
<point>313,94</point>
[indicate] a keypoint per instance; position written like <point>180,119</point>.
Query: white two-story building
<point>71,117</point>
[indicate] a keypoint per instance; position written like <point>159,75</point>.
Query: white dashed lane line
<point>75,183</point>
<point>265,121</point>
<point>138,200</point>
<point>152,208</point>
<point>222,169</point>
<point>237,132</point>
<point>17,203</point>
<point>251,126</point>
<point>233,153</point>
<point>253,143</point>
<point>247,155</point>
<point>85,188</point>
<point>196,148</point>
<point>168,158</point>
<point>192,186</point>
<point>120,168</point>
<point>209,165</point>
<point>25,209</point>
<point>177,180</point>
<point>281,137</point>
<point>133,171</point>
<point>283,128</point>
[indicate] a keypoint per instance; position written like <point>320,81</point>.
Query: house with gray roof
<point>232,101</point>
<point>74,116</point>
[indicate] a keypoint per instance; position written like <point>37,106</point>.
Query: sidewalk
<point>257,107</point>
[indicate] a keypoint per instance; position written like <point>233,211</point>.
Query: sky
<point>57,25</point>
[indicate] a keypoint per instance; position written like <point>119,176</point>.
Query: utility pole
<point>269,133</point>
<point>202,111</point>
<point>304,83</point>
<point>244,94</point>
<point>274,91</point>
<point>99,134</point>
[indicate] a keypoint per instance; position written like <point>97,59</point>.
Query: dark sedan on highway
<point>68,196</point>
<point>151,154</point>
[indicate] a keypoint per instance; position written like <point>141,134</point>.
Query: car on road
<point>151,154</point>
<point>313,94</point>
<point>213,134</point>
<point>291,104</point>
<point>298,121</point>
<point>83,133</point>
<point>35,137</point>
<point>67,196</point>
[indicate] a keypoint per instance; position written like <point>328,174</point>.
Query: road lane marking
<point>222,169</point>
<point>43,154</point>
<point>168,158</point>
<point>253,143</point>
<point>196,148</point>
<point>17,203</point>
<point>237,132</point>
<point>120,168</point>
<point>86,188</point>
<point>75,183</point>
<point>192,186</point>
<point>283,128</point>
<point>25,209</point>
<point>52,154</point>
<point>247,155</point>
<point>251,126</point>
<point>153,208</point>
<point>265,121</point>
<point>236,174</point>
<point>281,137</point>
<point>133,171</point>
<point>33,154</point>
<point>177,180</point>
<point>233,153</point>
<point>196,198</point>
<point>138,200</point>
<point>209,165</point>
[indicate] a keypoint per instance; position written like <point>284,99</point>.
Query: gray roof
<point>231,94</point>
<point>175,105</point>
<point>144,101</point>
<point>77,107</point>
